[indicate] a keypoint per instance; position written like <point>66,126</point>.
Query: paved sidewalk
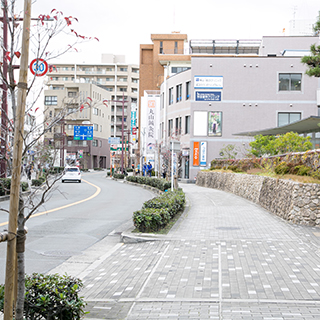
<point>226,258</point>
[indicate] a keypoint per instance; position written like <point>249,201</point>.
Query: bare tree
<point>43,29</point>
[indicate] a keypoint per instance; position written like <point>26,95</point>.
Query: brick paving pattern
<point>226,258</point>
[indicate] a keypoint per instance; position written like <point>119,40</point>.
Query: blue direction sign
<point>83,133</point>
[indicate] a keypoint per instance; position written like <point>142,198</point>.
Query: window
<point>72,94</point>
<point>123,79</point>
<point>188,90</point>
<point>50,114</point>
<point>55,78</point>
<point>178,69</point>
<point>95,111</point>
<point>134,80</point>
<point>161,47</point>
<point>70,126</point>
<point>170,127</point>
<point>170,96</point>
<point>178,126</point>
<point>65,78</point>
<point>175,47</point>
<point>288,117</point>
<point>179,92</point>
<point>100,143</point>
<point>123,89</point>
<point>290,81</point>
<point>187,124</point>
<point>94,143</point>
<point>124,69</point>
<point>50,100</point>
<point>95,127</point>
<point>134,90</point>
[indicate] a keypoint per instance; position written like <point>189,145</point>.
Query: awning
<point>308,125</point>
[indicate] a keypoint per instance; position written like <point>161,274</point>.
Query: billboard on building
<point>151,124</point>
<point>203,153</point>
<point>215,124</point>
<point>208,82</point>
<point>208,96</point>
<point>196,153</point>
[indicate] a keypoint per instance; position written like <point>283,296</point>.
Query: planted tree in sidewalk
<point>16,50</point>
<point>313,61</point>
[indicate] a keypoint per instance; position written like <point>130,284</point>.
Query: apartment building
<point>233,90</point>
<point>116,80</point>
<point>82,104</point>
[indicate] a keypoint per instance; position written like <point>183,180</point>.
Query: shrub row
<point>161,184</point>
<point>38,182</point>
<point>118,175</point>
<point>5,185</point>
<point>51,297</point>
<point>157,212</point>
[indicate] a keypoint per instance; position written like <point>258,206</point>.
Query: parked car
<point>71,174</point>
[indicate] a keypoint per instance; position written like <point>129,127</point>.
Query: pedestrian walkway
<point>226,258</point>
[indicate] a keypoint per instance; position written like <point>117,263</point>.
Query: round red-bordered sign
<point>38,67</point>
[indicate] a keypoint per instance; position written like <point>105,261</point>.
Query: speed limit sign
<point>38,67</point>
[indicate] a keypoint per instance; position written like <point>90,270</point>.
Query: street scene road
<point>225,258</point>
<point>87,212</point>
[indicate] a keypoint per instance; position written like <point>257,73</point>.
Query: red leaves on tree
<point>68,21</point>
<point>7,55</point>
<point>17,54</point>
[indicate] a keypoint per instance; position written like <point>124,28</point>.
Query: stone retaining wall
<point>292,201</point>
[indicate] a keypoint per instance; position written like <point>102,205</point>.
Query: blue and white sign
<point>83,133</point>
<point>208,82</point>
<point>114,140</point>
<point>203,153</point>
<point>208,96</point>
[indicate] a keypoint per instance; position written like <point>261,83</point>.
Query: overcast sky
<point>122,25</point>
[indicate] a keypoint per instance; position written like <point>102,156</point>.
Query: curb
<point>129,237</point>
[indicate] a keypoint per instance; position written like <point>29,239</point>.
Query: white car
<point>71,174</point>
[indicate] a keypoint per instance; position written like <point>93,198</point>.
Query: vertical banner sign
<point>133,127</point>
<point>151,121</point>
<point>196,154</point>
<point>203,153</point>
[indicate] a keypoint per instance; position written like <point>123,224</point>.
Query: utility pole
<point>16,172</point>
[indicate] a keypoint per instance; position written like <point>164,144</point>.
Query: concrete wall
<point>292,201</point>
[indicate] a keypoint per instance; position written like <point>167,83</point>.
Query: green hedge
<point>51,297</point>
<point>157,212</point>
<point>161,184</point>
<point>118,175</point>
<point>5,185</point>
<point>38,182</point>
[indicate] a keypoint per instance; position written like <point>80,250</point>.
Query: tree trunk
<point>21,239</point>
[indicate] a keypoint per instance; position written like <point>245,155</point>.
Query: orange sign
<point>196,153</point>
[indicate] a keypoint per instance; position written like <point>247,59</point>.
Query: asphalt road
<point>75,217</point>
